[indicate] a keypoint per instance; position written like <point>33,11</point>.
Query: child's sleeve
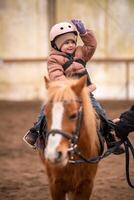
<point>90,44</point>
<point>55,70</point>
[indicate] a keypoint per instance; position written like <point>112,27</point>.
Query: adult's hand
<point>126,124</point>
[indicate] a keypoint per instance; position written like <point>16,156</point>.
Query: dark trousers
<point>39,119</point>
<point>99,109</point>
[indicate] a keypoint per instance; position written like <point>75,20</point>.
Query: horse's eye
<point>73,116</point>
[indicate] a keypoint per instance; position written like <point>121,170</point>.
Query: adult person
<point>125,123</point>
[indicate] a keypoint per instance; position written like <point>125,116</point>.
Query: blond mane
<point>90,120</point>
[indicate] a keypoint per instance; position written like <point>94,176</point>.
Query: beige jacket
<point>57,58</point>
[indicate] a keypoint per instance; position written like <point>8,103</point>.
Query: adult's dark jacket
<point>126,123</point>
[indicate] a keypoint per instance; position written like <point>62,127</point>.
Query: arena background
<point>24,47</point>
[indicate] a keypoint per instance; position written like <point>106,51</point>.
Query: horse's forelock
<point>61,90</point>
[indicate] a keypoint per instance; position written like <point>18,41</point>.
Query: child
<point>68,59</point>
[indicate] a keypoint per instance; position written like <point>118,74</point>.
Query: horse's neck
<point>89,141</point>
<point>85,144</point>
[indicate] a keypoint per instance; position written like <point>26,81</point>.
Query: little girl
<point>67,59</point>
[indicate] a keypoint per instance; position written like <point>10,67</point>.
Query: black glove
<point>126,124</point>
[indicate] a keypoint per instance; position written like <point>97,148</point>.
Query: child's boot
<point>107,130</point>
<point>111,142</point>
<point>31,137</point>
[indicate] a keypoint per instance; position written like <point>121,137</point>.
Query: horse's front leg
<point>83,191</point>
<point>57,193</point>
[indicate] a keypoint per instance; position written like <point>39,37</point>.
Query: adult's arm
<point>126,124</point>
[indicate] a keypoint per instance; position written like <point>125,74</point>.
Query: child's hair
<point>62,32</point>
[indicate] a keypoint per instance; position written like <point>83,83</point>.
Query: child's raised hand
<point>79,25</point>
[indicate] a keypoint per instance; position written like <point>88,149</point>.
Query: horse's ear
<point>46,81</point>
<point>79,85</point>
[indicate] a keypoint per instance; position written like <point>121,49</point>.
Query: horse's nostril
<point>59,154</point>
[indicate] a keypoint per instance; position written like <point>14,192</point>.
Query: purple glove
<point>79,25</point>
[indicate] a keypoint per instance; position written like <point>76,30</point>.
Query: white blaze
<point>54,140</point>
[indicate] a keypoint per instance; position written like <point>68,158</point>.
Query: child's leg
<point>39,119</point>
<point>98,108</point>
<point>33,133</point>
<point>108,125</point>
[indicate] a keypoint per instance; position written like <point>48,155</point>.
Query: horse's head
<point>62,111</point>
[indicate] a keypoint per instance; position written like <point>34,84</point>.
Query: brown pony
<point>66,101</point>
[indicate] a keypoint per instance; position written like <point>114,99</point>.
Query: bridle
<point>72,137</point>
<point>75,156</point>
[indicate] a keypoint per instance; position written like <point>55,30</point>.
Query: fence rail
<point>44,59</point>
<point>127,62</point>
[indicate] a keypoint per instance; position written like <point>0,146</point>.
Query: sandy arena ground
<point>22,175</point>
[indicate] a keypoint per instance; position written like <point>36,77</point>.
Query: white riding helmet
<point>61,29</point>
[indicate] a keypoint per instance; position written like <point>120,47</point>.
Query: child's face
<point>68,47</point>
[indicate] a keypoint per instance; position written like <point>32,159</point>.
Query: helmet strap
<point>54,46</point>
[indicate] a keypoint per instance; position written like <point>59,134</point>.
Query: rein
<point>128,148</point>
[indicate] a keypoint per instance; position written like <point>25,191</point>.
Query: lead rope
<point>128,148</point>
